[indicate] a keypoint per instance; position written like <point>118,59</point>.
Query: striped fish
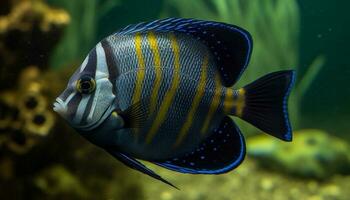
<point>162,92</point>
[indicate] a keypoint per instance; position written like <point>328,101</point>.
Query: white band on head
<point>101,68</point>
<point>81,109</point>
<point>83,65</point>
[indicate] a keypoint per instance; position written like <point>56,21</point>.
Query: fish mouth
<point>59,106</point>
<point>98,122</point>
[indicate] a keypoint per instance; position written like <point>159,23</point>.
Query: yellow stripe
<point>195,103</point>
<point>141,72</point>
<point>152,40</point>
<point>240,103</point>
<point>169,96</point>
<point>228,102</point>
<point>213,105</point>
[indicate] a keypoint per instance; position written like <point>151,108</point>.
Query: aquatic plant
<point>80,35</point>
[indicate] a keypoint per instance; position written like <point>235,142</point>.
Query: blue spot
<point>191,163</point>
<point>202,157</point>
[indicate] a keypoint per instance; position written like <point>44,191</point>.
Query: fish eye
<point>86,85</point>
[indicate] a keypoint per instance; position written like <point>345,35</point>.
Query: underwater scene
<point>243,99</point>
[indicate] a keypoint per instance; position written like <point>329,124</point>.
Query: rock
<point>267,184</point>
<point>331,191</point>
<point>258,183</point>
<point>57,180</point>
<point>312,153</point>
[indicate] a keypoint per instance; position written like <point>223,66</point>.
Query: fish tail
<point>264,103</point>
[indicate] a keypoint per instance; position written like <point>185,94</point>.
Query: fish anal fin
<point>219,153</point>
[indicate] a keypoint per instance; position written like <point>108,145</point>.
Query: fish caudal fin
<point>265,103</point>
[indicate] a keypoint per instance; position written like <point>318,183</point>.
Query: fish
<point>163,92</point>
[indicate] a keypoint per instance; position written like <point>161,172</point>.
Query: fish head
<point>88,98</point>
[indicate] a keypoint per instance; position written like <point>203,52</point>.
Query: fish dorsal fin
<point>230,45</point>
<point>221,152</point>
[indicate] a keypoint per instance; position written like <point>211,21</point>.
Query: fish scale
<point>190,54</point>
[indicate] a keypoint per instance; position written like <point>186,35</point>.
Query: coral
<point>25,112</point>
<point>321,154</point>
<point>28,32</point>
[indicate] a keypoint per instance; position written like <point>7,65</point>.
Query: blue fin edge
<point>228,168</point>
<point>289,135</point>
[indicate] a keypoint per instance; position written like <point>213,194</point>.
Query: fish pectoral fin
<point>136,115</point>
<point>230,44</point>
<point>219,153</point>
<point>134,164</point>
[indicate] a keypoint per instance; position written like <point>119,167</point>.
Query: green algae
<point>312,154</point>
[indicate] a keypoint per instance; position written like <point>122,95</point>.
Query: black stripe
<point>111,63</point>
<point>90,68</point>
<point>65,94</point>
<point>73,104</point>
<point>88,109</point>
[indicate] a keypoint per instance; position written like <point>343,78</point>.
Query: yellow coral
<point>25,13</point>
<point>39,124</point>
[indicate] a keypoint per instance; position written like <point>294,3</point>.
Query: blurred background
<point>43,42</point>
